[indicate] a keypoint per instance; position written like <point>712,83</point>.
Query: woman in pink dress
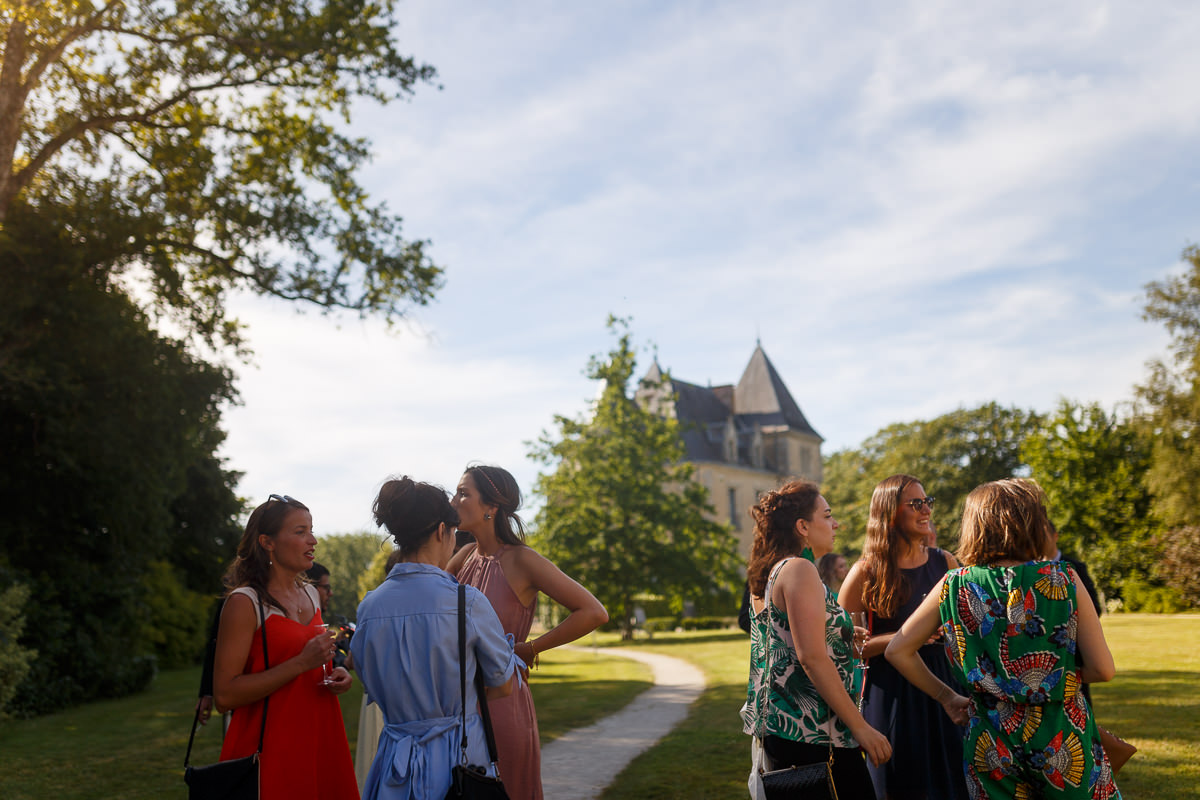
<point>511,574</point>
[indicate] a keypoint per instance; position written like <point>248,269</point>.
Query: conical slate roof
<point>761,397</point>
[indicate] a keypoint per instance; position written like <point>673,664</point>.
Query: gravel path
<point>580,763</point>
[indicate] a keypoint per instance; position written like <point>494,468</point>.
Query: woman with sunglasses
<point>891,579</point>
<point>304,748</point>
<point>511,575</point>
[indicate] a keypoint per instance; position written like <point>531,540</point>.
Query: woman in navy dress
<point>889,582</point>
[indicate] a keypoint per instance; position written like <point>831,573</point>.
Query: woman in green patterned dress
<point>1022,634</point>
<point>809,701</point>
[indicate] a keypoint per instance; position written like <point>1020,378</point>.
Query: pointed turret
<point>762,397</point>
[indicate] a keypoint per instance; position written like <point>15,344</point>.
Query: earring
<point>487,516</point>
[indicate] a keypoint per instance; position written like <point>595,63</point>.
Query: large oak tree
<point>204,139</point>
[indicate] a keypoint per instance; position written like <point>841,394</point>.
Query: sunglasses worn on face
<point>917,503</point>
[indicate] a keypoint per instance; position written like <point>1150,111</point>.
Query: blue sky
<point>915,206</point>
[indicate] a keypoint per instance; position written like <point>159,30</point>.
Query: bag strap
<point>480,689</point>
<point>262,732</point>
<point>462,665</point>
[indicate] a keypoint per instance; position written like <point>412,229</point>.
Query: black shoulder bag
<point>468,780</point>
<point>236,779</point>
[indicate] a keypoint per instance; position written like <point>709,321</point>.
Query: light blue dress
<point>405,651</point>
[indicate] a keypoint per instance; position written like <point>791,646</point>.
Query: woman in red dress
<point>304,751</point>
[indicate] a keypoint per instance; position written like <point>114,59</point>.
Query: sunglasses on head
<point>283,498</point>
<point>918,502</point>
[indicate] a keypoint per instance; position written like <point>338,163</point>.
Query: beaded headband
<point>491,482</point>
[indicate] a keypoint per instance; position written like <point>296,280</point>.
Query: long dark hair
<point>497,487</point>
<point>775,537</point>
<point>412,512</point>
<point>252,565</point>
<point>885,588</point>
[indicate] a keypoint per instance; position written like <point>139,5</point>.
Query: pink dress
<point>513,718</point>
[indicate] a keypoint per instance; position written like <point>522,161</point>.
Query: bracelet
<point>941,695</point>
<point>533,650</point>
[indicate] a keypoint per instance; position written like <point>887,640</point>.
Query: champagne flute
<point>859,619</point>
<point>326,679</point>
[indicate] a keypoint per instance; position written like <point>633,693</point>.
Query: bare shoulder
<point>526,560</point>
<point>799,570</point>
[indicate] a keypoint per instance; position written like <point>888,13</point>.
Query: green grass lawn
<point>133,747</point>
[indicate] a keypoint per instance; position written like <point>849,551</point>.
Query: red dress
<point>305,754</point>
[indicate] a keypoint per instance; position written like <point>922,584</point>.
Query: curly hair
<point>775,516</point>
<point>497,487</point>
<point>412,512</point>
<point>885,588</point>
<point>252,564</point>
<point>1005,520</point>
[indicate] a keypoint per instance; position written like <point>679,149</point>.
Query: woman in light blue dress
<point>405,650</point>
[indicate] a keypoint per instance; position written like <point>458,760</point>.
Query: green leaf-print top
<point>796,711</point>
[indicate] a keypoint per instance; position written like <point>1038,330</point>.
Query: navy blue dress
<point>926,762</point>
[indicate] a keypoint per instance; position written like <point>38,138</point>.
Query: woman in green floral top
<point>1022,634</point>
<point>809,699</point>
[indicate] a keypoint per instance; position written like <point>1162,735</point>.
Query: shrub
<point>172,625</point>
<point>1140,595</point>
<point>707,623</point>
<point>15,660</point>
<point>660,624</point>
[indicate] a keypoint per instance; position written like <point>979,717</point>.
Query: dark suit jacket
<point>1082,569</point>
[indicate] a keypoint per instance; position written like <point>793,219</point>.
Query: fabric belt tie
<point>411,740</point>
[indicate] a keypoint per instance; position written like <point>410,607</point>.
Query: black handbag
<point>810,782</point>
<point>236,779</point>
<point>468,780</point>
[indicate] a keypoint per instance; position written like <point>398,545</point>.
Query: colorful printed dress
<point>1011,639</point>
<point>794,709</point>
